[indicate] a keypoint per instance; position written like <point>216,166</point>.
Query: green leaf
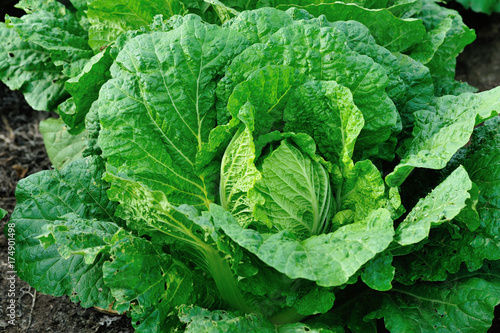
<point>3,212</point>
<point>84,88</point>
<point>149,297</point>
<point>203,320</point>
<point>379,273</point>
<point>438,135</point>
<point>110,18</point>
<point>294,193</point>
<point>321,53</point>
<point>442,204</point>
<point>310,300</point>
<point>446,39</point>
<point>62,147</point>
<point>326,111</point>
<point>149,86</point>
<point>419,89</point>
<point>260,100</point>
<point>76,236</point>
<point>464,304</point>
<point>481,6</point>
<point>27,67</point>
<point>238,175</point>
<point>403,33</point>
<point>43,199</point>
<point>329,259</point>
<point>360,40</point>
<point>363,190</point>
<point>258,25</point>
<point>488,104</point>
<point>51,26</point>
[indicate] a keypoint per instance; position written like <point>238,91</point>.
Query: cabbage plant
<point>299,168</point>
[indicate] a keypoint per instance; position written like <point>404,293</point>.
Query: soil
<point>22,153</point>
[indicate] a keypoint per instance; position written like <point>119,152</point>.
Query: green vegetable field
<point>258,166</point>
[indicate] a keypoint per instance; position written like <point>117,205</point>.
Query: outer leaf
<point>238,175</point>
<point>403,33</point>
<point>110,18</point>
<point>3,212</point>
<point>84,89</point>
<point>44,198</point>
<point>163,284</point>
<point>27,67</point>
<point>51,26</point>
<point>155,112</point>
<point>326,111</point>
<point>419,89</point>
<point>379,272</point>
<point>259,25</point>
<point>438,135</point>
<point>76,236</point>
<point>310,300</point>
<point>460,305</point>
<point>202,320</point>
<point>62,147</point>
<point>329,259</point>
<point>446,39</point>
<point>482,6</point>
<point>443,203</point>
<point>294,193</point>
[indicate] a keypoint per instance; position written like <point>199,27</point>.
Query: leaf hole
<point>11,54</point>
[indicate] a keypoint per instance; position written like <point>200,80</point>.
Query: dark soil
<point>22,153</point>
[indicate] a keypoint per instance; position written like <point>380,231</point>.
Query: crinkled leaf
<point>419,89</point>
<point>27,67</point>
<point>42,199</point>
<point>360,40</point>
<point>51,26</point>
<point>76,236</point>
<point>258,25</point>
<point>110,18</point>
<point>238,175</point>
<point>323,54</point>
<point>151,296</point>
<point>294,193</point>
<point>363,190</point>
<point>259,101</point>
<point>329,259</point>
<point>442,204</point>
<point>403,33</point>
<point>84,89</point>
<point>62,147</point>
<point>446,39</point>
<point>203,320</point>
<point>326,111</point>
<point>155,112</point>
<point>438,135</point>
